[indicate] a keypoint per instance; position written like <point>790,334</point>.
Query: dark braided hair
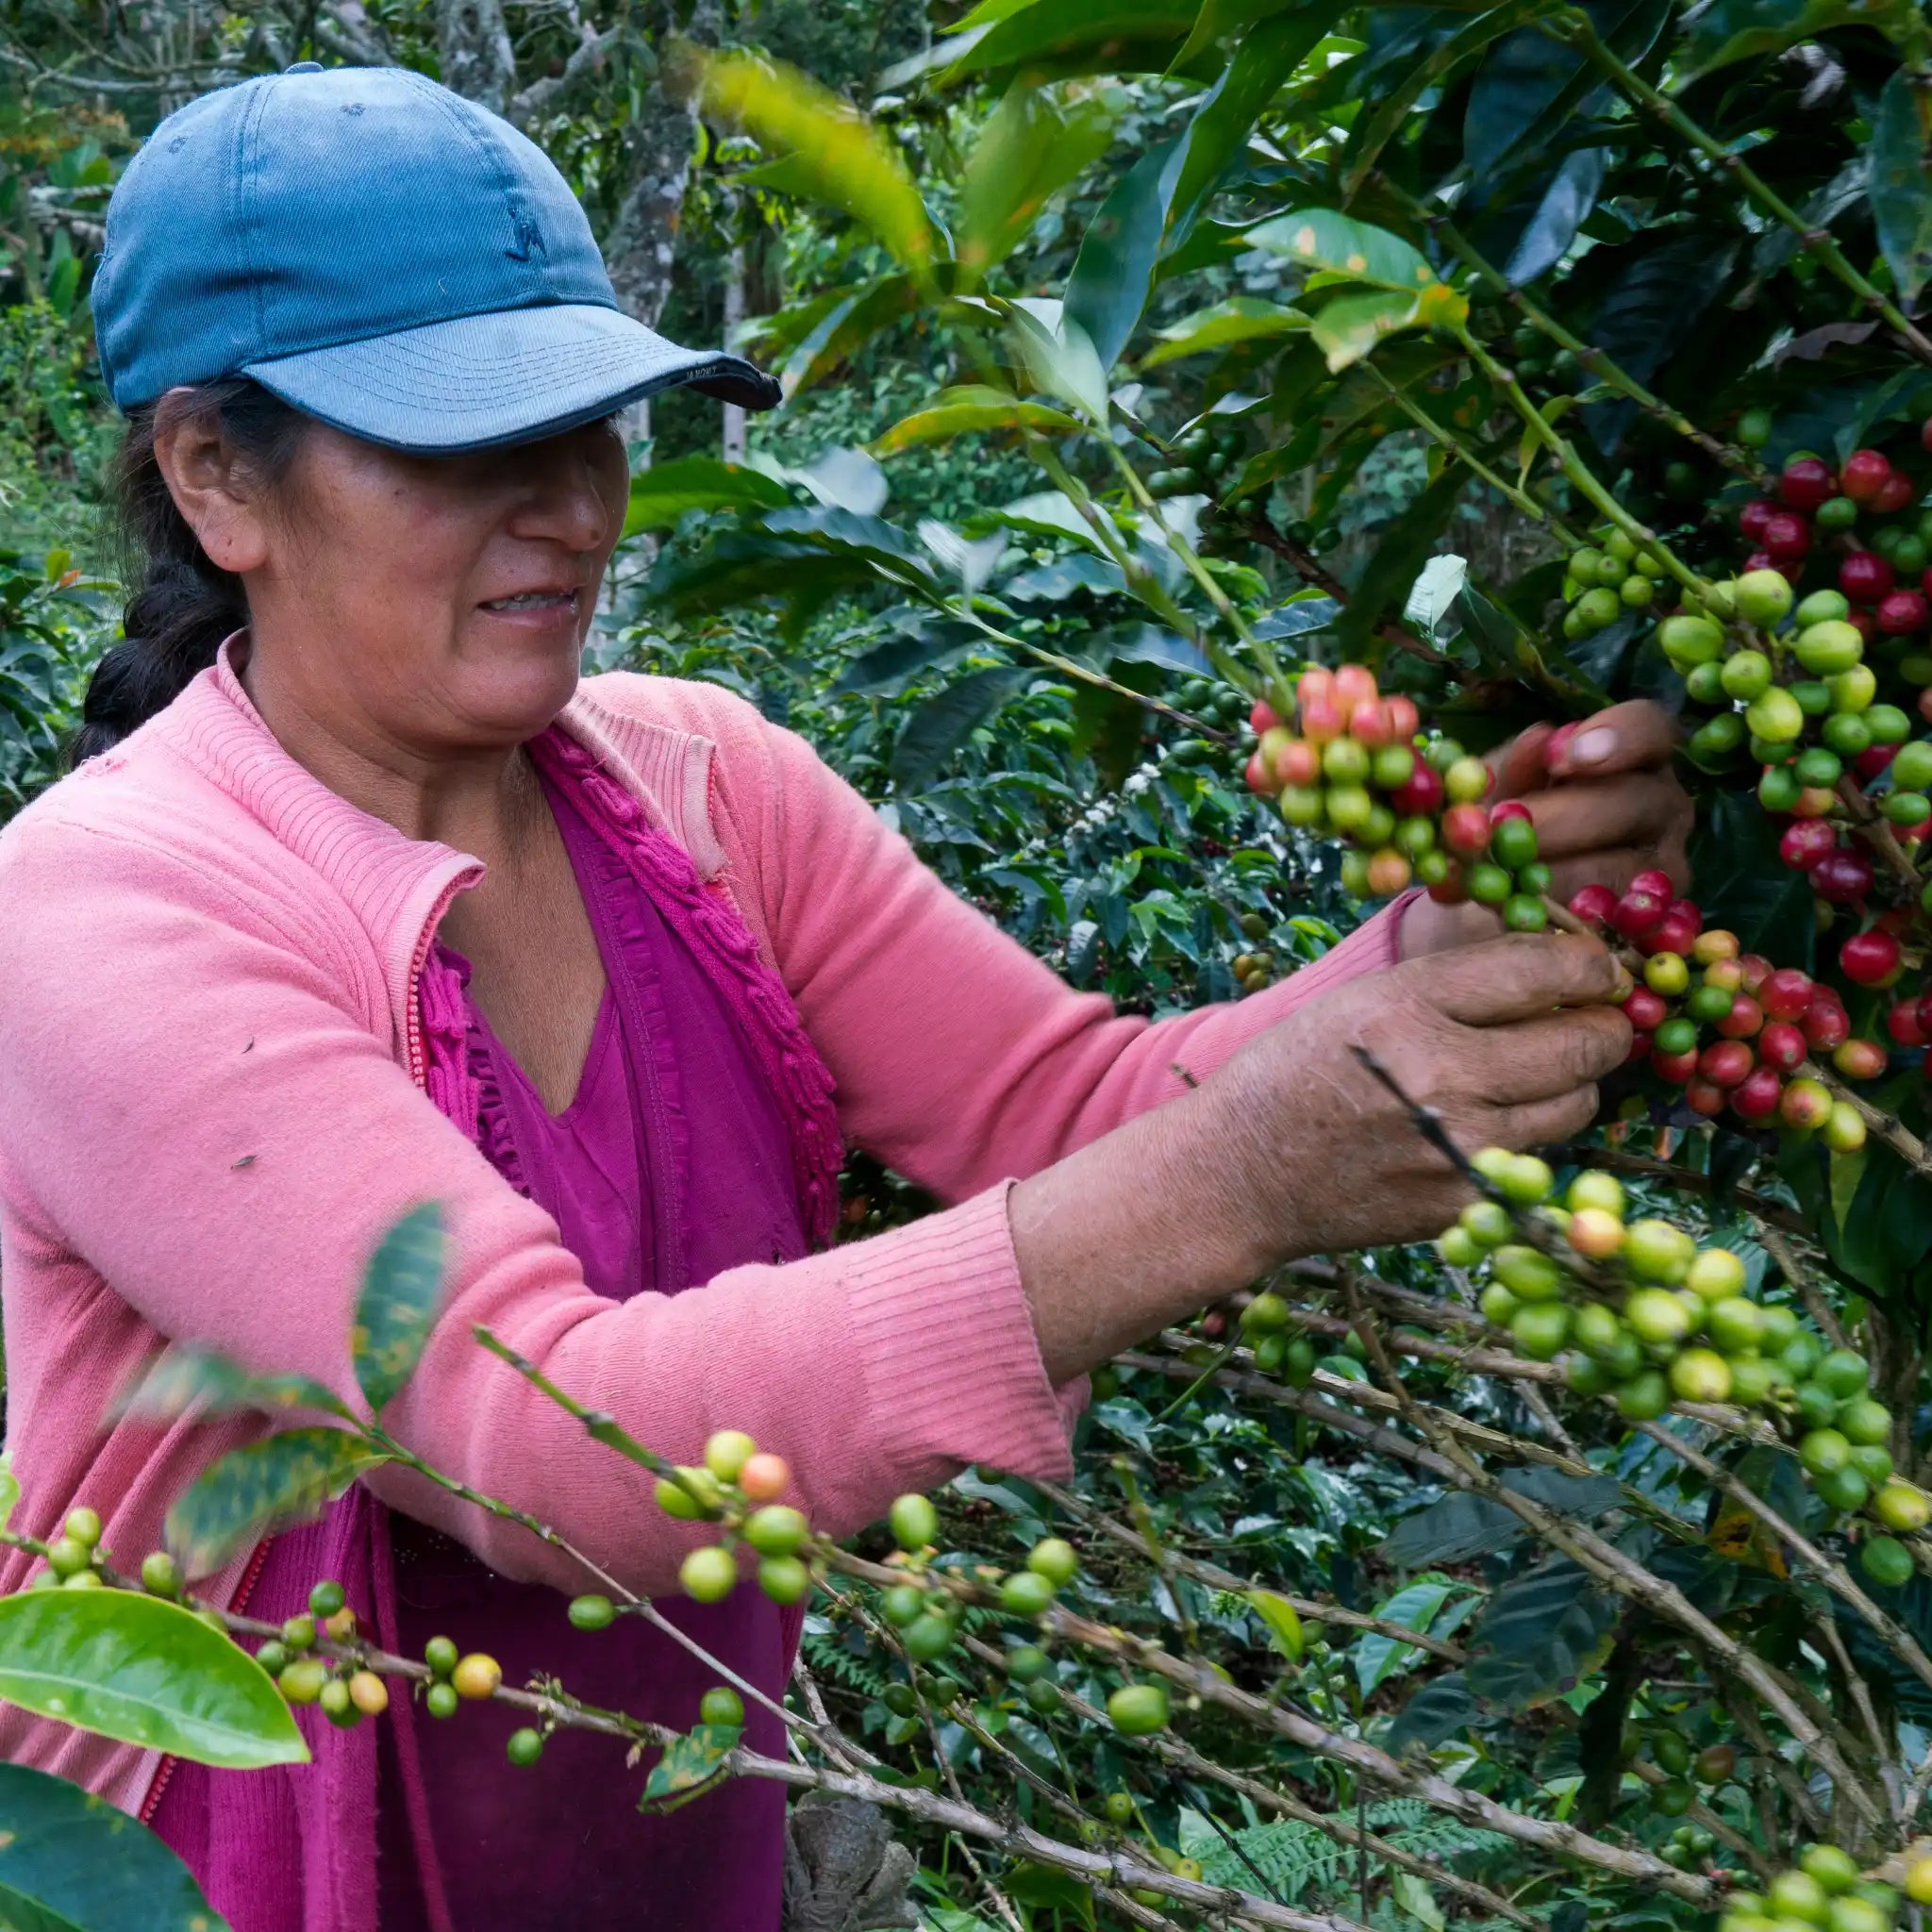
<point>186,605</point>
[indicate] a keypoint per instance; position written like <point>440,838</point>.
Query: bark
<point>642,247</point>
<point>734,433</point>
<point>478,60</point>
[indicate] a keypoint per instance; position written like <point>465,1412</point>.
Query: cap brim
<point>514,376</point>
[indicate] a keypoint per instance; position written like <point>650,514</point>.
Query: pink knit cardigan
<point>212,1106</point>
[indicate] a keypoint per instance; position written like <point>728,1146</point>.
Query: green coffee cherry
<point>914,1523</point>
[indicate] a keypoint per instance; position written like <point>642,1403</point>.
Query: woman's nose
<point>565,501</point>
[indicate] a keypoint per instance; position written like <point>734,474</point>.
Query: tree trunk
<point>642,247</point>
<point>734,434</point>
<point>477,59</point>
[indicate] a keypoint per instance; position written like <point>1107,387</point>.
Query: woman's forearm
<point>1294,1147</point>
<point>1133,1231</point>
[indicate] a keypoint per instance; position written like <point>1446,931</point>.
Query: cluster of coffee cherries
<point>1268,1324</point>
<point>1788,671</point>
<point>344,1690</point>
<point>1650,1318</point>
<point>1684,1767</point>
<point>927,1616</point>
<point>738,1485</point>
<point>1824,1890</point>
<point>75,1559</point>
<point>1871,495</point>
<point>1660,1318</point>
<point>1726,1026</point>
<point>1604,579</point>
<point>1351,764</point>
<point>1255,969</point>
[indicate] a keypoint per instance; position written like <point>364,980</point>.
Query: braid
<point>186,605</point>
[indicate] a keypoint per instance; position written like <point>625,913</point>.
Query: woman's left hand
<point>1606,804</point>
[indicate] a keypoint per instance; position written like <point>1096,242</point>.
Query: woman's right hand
<point>1294,1148</point>
<point>1505,1040</point>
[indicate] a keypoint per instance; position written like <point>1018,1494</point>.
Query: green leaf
<point>1240,319</point>
<point>1397,562</point>
<point>1847,1172</point>
<point>1030,147</point>
<point>287,1477</point>
<point>1284,1623</point>
<point>1114,271</point>
<point>1729,30</point>
<point>1742,884</point>
<point>1563,208</point>
<point>1441,1709</point>
<point>1318,238</point>
<point>1460,1526</point>
<point>1057,355</point>
<point>9,1487</point>
<point>1540,1635</point>
<point>848,163</point>
<point>960,411</point>
<point>1415,1898</point>
<point>1430,610</point>
<point>1056,37</point>
<point>1901,189</point>
<point>1377,1657</point>
<point>1531,87</point>
<point>1374,132</point>
<point>844,327</point>
<point>1347,326</point>
<point>143,1671</point>
<point>666,492</point>
<point>690,1766</point>
<point>886,667</point>
<point>185,1380</point>
<point>942,723</point>
<point>397,1308</point>
<point>1224,123</point>
<point>1662,285</point>
<point>75,1862</point>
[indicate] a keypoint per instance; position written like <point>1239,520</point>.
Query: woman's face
<point>433,602</point>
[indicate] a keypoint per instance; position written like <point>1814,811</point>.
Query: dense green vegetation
<point>1139,353</point>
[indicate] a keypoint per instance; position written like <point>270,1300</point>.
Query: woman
<point>359,898</point>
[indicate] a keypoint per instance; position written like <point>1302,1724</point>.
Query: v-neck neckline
<point>603,1031</point>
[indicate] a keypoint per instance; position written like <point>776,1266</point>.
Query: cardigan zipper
<point>412,1003</point>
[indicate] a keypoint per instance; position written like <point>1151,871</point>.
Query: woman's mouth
<point>535,600</point>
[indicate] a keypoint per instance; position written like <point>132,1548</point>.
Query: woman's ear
<point>209,487</point>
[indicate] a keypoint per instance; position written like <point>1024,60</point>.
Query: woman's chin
<point>519,696</point>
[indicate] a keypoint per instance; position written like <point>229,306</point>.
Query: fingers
<point>1543,1123</point>
<point>1516,977</point>
<point>1522,765</point>
<point>1641,810</point>
<point>1635,737</point>
<point>1553,1055</point>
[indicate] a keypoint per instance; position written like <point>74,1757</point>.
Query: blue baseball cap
<point>384,256</point>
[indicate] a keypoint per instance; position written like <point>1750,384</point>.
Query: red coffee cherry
<point>1868,958</point>
<point>1755,1097</point>
<point>1865,576</point>
<point>1865,473</point>
<point>1727,1062</point>
<point>1806,483</point>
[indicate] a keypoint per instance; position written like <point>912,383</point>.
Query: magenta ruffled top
<point>700,1138</point>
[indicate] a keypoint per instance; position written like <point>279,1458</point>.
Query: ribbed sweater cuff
<point>952,1363</point>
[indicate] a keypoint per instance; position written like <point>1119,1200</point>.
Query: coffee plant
<point>1358,387</point>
